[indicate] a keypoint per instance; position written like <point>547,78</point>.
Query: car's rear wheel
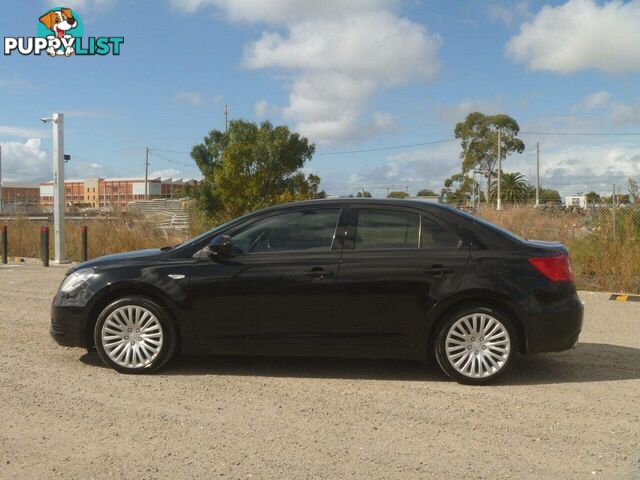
<point>135,335</point>
<point>476,345</point>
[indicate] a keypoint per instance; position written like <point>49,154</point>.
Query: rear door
<point>396,263</point>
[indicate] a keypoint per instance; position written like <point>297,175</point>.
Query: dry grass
<point>601,258</point>
<point>599,262</point>
<point>119,234</point>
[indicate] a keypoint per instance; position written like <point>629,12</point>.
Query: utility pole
<point>59,196</point>
<point>499,206</point>
<point>226,118</point>
<point>537,174</point>
<point>146,174</point>
<point>1,192</point>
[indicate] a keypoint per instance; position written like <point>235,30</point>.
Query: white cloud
<point>616,113</point>
<point>282,11</point>
<point>10,131</point>
<point>596,100</point>
<point>426,167</point>
<point>76,169</point>
<point>508,14</point>
<point>166,173</point>
<point>337,65</point>
<point>261,108</point>
<point>579,35</point>
<point>25,161</point>
<point>337,55</point>
<point>456,113</point>
<point>194,99</point>
<point>83,4</point>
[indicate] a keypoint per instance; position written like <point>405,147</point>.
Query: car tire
<point>475,345</point>
<point>135,335</point>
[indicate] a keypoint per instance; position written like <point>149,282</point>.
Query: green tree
<point>399,194</point>
<point>549,195</point>
<point>513,189</point>
<point>252,166</point>
<point>458,188</point>
<point>425,192</point>
<point>593,197</point>
<point>363,194</point>
<point>479,140</point>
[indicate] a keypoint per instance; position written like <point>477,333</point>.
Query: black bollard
<point>5,245</point>
<point>85,244</point>
<point>44,245</point>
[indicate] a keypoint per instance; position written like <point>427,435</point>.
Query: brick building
<point>18,194</point>
<point>111,193</point>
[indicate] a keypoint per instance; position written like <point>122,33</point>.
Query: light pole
<point>57,119</point>
<point>538,174</point>
<point>1,192</point>
<point>499,206</point>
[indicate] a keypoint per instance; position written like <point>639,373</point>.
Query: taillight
<point>556,269</point>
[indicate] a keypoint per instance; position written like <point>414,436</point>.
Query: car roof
<point>366,201</point>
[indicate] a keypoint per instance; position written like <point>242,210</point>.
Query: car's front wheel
<point>476,345</point>
<point>135,335</point>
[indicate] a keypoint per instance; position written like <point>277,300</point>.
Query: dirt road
<point>63,415</point>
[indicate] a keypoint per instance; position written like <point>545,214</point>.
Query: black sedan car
<point>341,277</point>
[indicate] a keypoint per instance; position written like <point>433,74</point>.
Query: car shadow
<point>588,362</point>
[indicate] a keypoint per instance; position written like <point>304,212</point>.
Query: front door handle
<point>318,273</point>
<point>439,270</point>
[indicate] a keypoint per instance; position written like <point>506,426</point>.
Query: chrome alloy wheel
<point>132,336</point>
<point>478,345</point>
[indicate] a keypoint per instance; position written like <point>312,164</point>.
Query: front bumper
<point>68,327</point>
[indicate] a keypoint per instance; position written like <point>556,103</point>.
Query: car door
<point>279,284</point>
<point>396,263</point>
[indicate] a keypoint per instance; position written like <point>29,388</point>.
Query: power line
<point>152,152</point>
<point>584,134</point>
<point>393,147</point>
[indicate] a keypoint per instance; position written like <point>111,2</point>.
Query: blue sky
<point>351,75</point>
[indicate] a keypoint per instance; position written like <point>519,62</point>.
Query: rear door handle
<point>318,273</point>
<point>439,270</point>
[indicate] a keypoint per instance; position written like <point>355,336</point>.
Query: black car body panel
<point>344,301</point>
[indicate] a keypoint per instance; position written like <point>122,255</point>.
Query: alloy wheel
<point>478,345</point>
<point>132,336</point>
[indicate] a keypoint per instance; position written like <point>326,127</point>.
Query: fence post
<point>85,244</point>
<point>44,245</point>
<point>5,245</point>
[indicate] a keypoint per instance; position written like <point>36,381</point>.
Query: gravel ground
<point>570,415</point>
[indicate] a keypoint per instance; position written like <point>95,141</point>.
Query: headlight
<point>76,279</point>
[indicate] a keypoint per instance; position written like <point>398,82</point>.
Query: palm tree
<point>514,188</point>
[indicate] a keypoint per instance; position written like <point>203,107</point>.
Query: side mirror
<point>221,247</point>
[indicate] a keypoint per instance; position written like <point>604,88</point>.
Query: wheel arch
<point>116,291</point>
<point>477,298</point>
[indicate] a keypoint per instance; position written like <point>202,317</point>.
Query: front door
<point>279,285</point>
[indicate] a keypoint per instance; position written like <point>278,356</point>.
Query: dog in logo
<point>59,22</point>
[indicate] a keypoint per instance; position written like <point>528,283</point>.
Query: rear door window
<point>381,228</point>
<point>434,235</point>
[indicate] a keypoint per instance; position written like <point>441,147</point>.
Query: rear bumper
<point>68,326</point>
<point>555,329</point>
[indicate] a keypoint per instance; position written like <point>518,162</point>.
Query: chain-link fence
<point>604,241</point>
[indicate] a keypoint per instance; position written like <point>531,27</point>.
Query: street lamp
<point>57,121</point>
